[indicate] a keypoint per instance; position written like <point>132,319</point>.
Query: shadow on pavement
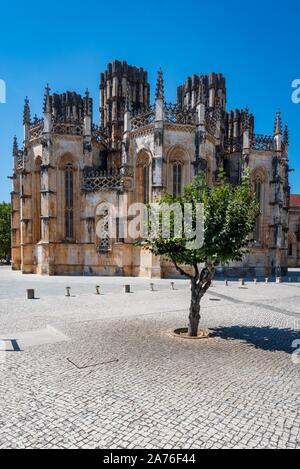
<point>264,338</point>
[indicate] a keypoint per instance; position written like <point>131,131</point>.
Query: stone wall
<point>294,232</point>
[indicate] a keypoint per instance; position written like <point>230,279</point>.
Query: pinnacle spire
<point>278,124</point>
<point>246,119</point>
<point>47,103</point>
<point>127,100</point>
<point>26,112</point>
<point>87,102</point>
<point>286,134</point>
<point>159,94</point>
<point>47,89</point>
<point>201,93</point>
<point>15,146</point>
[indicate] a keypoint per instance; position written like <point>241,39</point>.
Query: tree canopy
<point>230,213</point>
<point>5,232</point>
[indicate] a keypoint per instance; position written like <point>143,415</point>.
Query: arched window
<point>258,191</point>
<point>69,203</point>
<point>179,169</point>
<point>143,174</point>
<point>177,178</point>
<point>103,246</point>
<point>103,228</point>
<point>145,183</point>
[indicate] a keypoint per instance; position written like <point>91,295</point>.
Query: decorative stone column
<point>157,163</point>
<point>15,212</point>
<point>87,129</point>
<point>48,195</point>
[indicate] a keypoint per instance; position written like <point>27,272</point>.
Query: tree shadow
<point>268,338</point>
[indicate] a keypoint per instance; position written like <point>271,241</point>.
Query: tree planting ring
<point>182,333</point>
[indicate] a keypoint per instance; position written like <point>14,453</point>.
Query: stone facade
<point>68,168</point>
<point>294,232</point>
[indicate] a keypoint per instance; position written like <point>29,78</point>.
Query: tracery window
<point>145,184</point>
<point>103,227</point>
<point>177,178</point>
<point>69,202</point>
<point>143,174</point>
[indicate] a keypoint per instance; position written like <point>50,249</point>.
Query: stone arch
<point>67,158</point>
<point>178,152</point>
<point>259,179</point>
<point>260,173</point>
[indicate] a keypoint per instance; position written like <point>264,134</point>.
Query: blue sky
<point>254,44</point>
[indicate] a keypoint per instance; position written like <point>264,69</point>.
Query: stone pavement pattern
<point>105,372</point>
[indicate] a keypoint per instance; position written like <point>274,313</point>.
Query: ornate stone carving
<point>36,129</point>
<point>67,129</point>
<point>175,114</point>
<point>143,119</point>
<point>262,142</point>
<point>96,180</point>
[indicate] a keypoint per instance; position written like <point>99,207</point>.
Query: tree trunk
<point>194,316</point>
<point>200,283</point>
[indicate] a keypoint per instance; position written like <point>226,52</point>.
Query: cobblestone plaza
<point>104,371</point>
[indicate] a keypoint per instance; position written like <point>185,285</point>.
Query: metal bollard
<point>242,282</point>
<point>255,281</point>
<point>68,291</point>
<point>151,286</point>
<point>172,286</point>
<point>266,280</point>
<point>97,289</point>
<point>127,289</point>
<point>278,280</point>
<point>226,283</point>
<point>30,294</point>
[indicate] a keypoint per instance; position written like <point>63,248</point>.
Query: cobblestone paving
<point>122,381</point>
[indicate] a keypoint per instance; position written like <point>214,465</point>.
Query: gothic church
<point>68,166</point>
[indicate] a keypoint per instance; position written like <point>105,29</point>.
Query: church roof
<point>295,200</point>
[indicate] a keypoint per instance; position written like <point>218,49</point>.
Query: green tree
<point>229,216</point>
<point>5,232</point>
